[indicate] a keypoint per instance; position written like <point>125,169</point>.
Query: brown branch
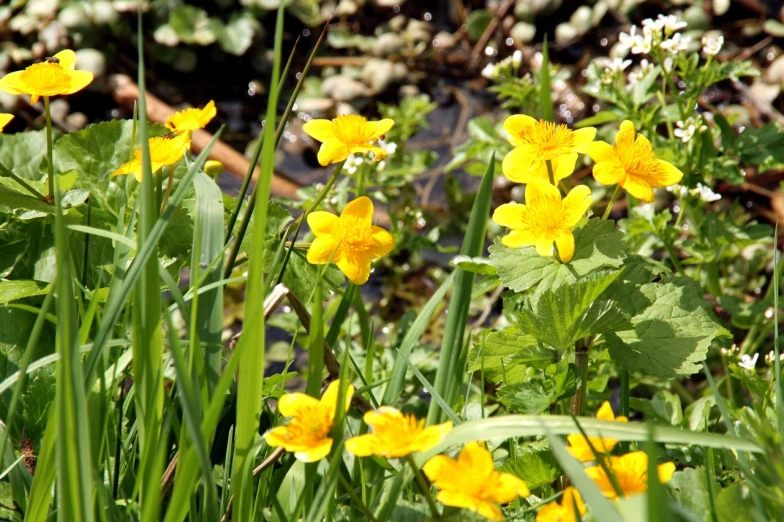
<point>489,30</point>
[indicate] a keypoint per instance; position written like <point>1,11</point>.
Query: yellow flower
<point>631,472</point>
<point>5,119</point>
<point>346,135</point>
<point>538,141</point>
<point>471,482</point>
<point>191,119</point>
<point>51,77</point>
<point>350,240</point>
<point>164,150</point>
<point>563,512</point>
<point>632,164</point>
<point>395,435</point>
<point>307,434</point>
<point>579,447</point>
<point>544,218</point>
<point>213,168</point>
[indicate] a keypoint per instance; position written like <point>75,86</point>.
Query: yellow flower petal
<point>377,129</point>
<point>291,404</point>
<point>12,83</point>
<point>638,188</point>
<point>79,80</point>
<point>432,436</point>
<point>382,242</point>
<point>509,215</point>
<point>132,167</point>
<point>361,209</point>
<point>670,175</point>
<point>356,269</point>
<point>599,151</point>
<point>565,243</point>
<point>540,192</point>
<point>518,238</point>
<point>475,456</point>
<point>378,153</point>
<point>605,411</point>
<point>625,136</point>
<point>563,166</point>
<point>322,249</point>
<point>522,165</point>
<point>67,59</point>
<point>322,222</point>
<point>315,453</point>
<point>516,125</point>
<point>583,136</point>
<point>320,130</point>
<point>486,509</point>
<point>575,205</point>
<point>361,446</point>
<point>665,471</point>
<point>609,172</point>
<point>192,119</point>
<point>332,151</point>
<point>507,487</point>
<point>5,119</point>
<point>330,398</point>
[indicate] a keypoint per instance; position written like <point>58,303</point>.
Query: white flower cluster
<point>748,363</point>
<point>612,67</point>
<point>712,45</point>
<point>354,161</point>
<point>494,71</point>
<point>771,357</point>
<point>659,33</point>
<point>686,129</point>
<point>706,194</point>
<point>637,74</point>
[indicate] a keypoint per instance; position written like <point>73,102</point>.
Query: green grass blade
<point>252,343</point>
<point>209,318</point>
<point>316,345</point>
<point>511,426</point>
<point>412,336</point>
<point>776,348</point>
<point>545,87</point>
<point>601,507</point>
<point>74,468</point>
<point>657,502</point>
<point>45,473</point>
<point>450,375</point>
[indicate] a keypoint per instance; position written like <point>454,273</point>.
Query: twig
<point>489,30</point>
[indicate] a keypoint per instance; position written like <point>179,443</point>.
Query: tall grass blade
<point>412,336</point>
<point>776,347</point>
<point>658,506</point>
<point>147,342</point>
<point>450,375</point>
<point>209,316</point>
<point>252,343</point>
<point>74,469</point>
<point>545,87</point>
<point>45,473</point>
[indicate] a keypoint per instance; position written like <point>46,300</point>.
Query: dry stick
<point>272,301</point>
<point>489,30</point>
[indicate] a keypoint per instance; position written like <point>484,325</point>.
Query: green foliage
<point>506,357</point>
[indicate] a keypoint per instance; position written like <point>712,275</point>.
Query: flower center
<point>550,140</point>
<point>637,158</point>
<point>45,76</point>
<point>355,235</point>
<point>351,129</point>
<point>544,217</point>
<point>311,424</point>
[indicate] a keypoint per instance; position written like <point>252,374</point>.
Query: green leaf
<point>733,505</point>
<point>13,290</point>
<point>176,240</point>
<point>600,118</point>
<point>300,276</point>
<point>505,357</point>
<point>560,316</point>
<point>758,144</point>
<point>11,200</point>
<point>598,245</point>
<point>671,334</point>
<point>477,22</point>
<point>690,489</point>
<point>23,152</point>
<point>193,25</point>
<point>535,468</point>
<point>697,414</point>
<point>237,36</point>
<point>477,265</point>
<point>535,396</point>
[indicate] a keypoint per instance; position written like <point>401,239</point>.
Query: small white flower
<point>681,191</point>
<point>390,147</point>
<point>670,23</point>
<point>517,58</point>
<point>705,193</point>
<point>771,357</point>
<point>643,43</point>
<point>711,46</point>
<point>627,40</point>
<point>676,44</point>
<point>685,130</point>
<point>352,163</point>
<point>667,64</point>
<point>490,72</point>
<point>748,363</point>
<point>654,25</point>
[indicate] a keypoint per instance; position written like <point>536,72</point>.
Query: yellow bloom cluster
<point>546,153</point>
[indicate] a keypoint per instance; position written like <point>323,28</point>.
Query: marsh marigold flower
<point>544,219</point>
<point>346,135</point>
<point>5,119</point>
<point>563,512</point>
<point>351,240</point>
<point>192,119</point>
<point>395,434</point>
<point>470,481</point>
<point>164,151</point>
<point>307,434</point>
<point>536,142</point>
<point>578,445</point>
<point>53,76</point>
<point>631,472</point>
<point>632,164</point>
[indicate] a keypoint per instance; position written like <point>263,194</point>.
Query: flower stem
<point>355,498</point>
<point>581,360</point>
<point>623,374</point>
<point>612,202</point>
<point>550,172</point>
<point>168,188</point>
<point>50,162</point>
<point>423,486</point>
<point>5,171</point>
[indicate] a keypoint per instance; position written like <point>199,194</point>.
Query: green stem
<point>168,188</point>
<point>423,486</point>
<point>353,495</point>
<point>623,374</point>
<point>581,361</point>
<point>550,172</point>
<point>5,171</point>
<point>50,162</point>
<point>301,219</point>
<point>612,202</point>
